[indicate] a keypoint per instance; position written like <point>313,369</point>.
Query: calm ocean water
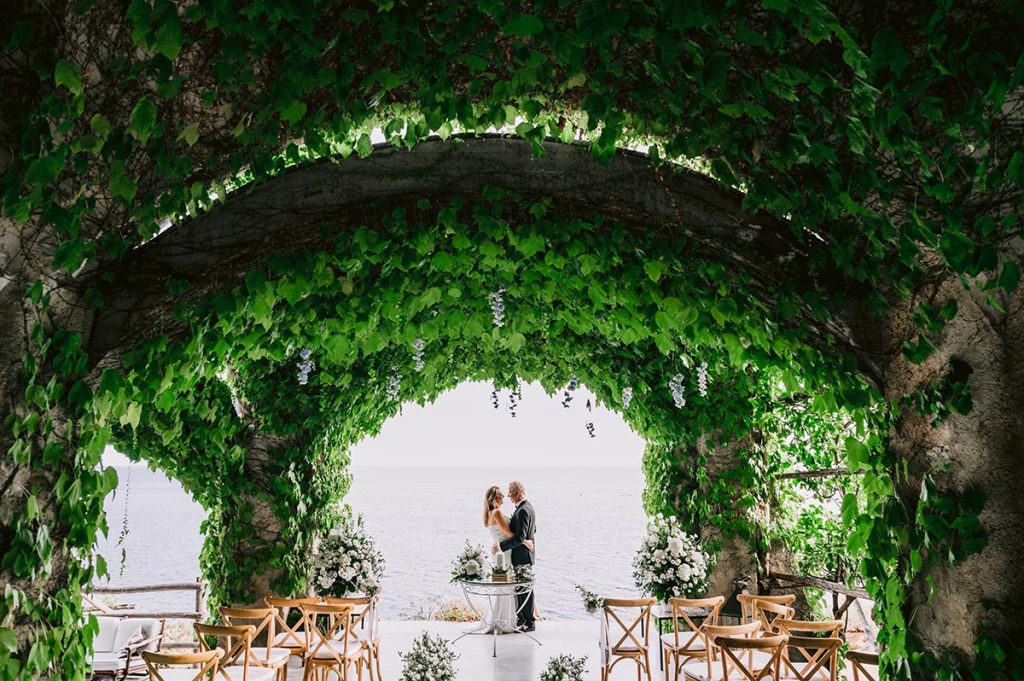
<point>590,521</point>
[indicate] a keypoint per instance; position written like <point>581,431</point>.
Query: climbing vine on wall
<point>824,116</point>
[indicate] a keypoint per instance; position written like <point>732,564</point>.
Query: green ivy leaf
<point>190,134</point>
<point>516,341</point>
<point>143,119</point>
<point>1009,277</point>
<point>887,51</point>
<point>8,640</point>
<point>293,111</point>
<point>525,25</point>
<point>68,75</point>
<point>168,36</point>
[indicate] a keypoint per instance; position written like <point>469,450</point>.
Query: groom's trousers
<point>526,609</point>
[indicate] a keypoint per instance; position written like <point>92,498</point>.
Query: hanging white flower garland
<point>498,307</point>
<point>676,386</point>
<point>627,397</point>
<point>417,355</point>
<point>702,379</point>
<point>394,387</point>
<point>305,365</point>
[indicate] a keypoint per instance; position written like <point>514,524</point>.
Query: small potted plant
<point>564,668</point>
<point>430,659</point>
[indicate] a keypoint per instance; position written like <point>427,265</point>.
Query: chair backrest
<point>363,627</point>
<point>712,633</point>
<point>261,619</point>
<point>624,620</point>
<point>690,639</point>
<point>236,645</point>
<point>768,612</point>
<point>735,649</point>
<point>859,663</point>
<point>746,603</point>
<point>208,662</point>
<point>339,619</point>
<point>290,635</point>
<point>819,658</point>
<point>825,628</point>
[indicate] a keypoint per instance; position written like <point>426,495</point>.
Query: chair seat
<point>336,649</point>
<point>286,640</point>
<point>180,674</point>
<point>275,657</point>
<point>698,671</point>
<point>107,662</point>
<point>237,673</point>
<point>669,641</point>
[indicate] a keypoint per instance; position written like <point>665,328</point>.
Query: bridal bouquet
<point>429,659</point>
<point>671,562</point>
<point>347,561</point>
<point>470,565</point>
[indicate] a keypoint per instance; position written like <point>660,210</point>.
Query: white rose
<point>675,546</point>
<point>684,572</point>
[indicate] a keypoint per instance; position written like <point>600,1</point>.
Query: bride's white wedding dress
<point>504,606</point>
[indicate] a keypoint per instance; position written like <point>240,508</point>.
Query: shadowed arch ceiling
<point>310,207</point>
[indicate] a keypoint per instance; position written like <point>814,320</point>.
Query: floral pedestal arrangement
<point>671,563</point>
<point>347,562</point>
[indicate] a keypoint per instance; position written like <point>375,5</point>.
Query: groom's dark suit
<point>523,525</point>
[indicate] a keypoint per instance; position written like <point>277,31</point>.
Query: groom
<point>523,525</point>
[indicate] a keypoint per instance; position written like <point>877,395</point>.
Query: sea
<point>590,522</point>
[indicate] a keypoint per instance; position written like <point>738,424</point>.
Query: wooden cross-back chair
<point>291,637</point>
<point>704,669</point>
<point>746,602</point>
<point>262,619</point>
<point>626,639</point>
<point>330,647</point>
<point>737,653</point>
<point>205,665</point>
<point>819,658</point>
<point>685,644</point>
<point>859,663</point>
<point>768,612</point>
<point>363,627</point>
<point>236,642</point>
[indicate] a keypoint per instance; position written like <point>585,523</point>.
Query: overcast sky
<point>462,428</point>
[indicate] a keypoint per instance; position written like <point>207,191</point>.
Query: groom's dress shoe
<point>526,628</point>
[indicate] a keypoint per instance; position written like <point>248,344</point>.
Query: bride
<point>496,523</point>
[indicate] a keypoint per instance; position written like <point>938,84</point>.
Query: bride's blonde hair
<point>490,496</point>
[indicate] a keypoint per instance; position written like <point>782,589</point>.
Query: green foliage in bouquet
<point>431,658</point>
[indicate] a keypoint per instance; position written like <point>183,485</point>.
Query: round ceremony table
<point>492,591</point>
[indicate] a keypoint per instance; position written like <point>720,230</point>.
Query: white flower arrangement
<point>347,561</point>
<point>429,659</point>
<point>670,562</point>
<point>564,668</point>
<point>591,601</point>
<point>522,573</point>
<point>470,565</point>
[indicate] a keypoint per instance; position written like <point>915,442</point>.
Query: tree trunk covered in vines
<point>260,537</point>
<point>51,487</point>
<point>958,449</point>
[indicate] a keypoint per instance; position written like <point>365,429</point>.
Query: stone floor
<point>519,658</point>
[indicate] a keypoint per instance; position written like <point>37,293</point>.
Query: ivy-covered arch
<point>888,139</point>
<point>582,298</point>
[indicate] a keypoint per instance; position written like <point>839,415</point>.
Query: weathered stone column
<point>966,455</point>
